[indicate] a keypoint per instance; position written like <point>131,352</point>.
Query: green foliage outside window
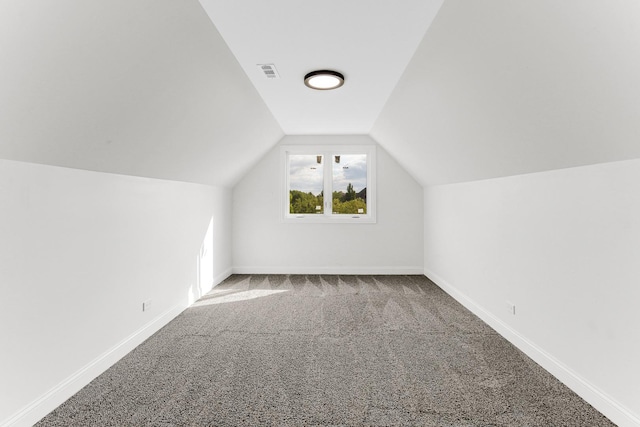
<point>307,203</point>
<point>343,203</point>
<point>349,207</point>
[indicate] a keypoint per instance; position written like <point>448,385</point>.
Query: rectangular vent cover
<point>269,71</point>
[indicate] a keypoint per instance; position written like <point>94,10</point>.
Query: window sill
<point>322,219</point>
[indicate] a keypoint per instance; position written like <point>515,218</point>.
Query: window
<point>312,173</point>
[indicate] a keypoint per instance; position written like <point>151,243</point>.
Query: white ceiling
<point>369,41</point>
<point>136,87</point>
<point>503,87</point>
<point>153,88</point>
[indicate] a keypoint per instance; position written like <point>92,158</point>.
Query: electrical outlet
<point>511,307</point>
<point>146,305</point>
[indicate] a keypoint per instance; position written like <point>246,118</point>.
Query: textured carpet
<point>330,351</point>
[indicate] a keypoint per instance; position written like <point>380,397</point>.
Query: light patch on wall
<point>204,267</point>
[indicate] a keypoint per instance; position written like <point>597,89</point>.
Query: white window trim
<point>328,151</point>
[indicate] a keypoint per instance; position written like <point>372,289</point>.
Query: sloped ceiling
<point>370,42</point>
<point>151,88</point>
<point>502,87</point>
<point>137,87</point>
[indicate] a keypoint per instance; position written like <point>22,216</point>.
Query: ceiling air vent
<point>269,71</point>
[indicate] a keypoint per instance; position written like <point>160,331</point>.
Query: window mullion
<point>328,182</point>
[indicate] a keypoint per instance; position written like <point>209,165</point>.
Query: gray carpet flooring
<point>289,350</point>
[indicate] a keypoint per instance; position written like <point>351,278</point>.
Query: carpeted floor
<point>326,351</point>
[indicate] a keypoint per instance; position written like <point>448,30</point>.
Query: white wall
<point>263,244</point>
<point>221,244</point>
<point>563,246</point>
<point>79,253</point>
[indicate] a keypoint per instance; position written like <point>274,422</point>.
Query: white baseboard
<point>600,400</point>
<point>40,407</point>
<point>222,276</point>
<point>50,400</point>
<point>329,270</point>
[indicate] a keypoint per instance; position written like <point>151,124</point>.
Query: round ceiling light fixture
<point>324,80</point>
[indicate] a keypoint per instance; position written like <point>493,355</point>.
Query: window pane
<point>306,181</point>
<point>350,184</point>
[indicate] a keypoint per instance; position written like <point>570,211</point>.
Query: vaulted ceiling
<point>370,42</point>
<point>503,87</point>
<point>136,87</point>
<point>455,91</point>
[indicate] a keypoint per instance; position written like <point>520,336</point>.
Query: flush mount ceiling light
<point>324,80</point>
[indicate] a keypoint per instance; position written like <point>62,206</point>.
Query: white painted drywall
<point>382,36</point>
<point>79,253</point>
<point>137,87</point>
<point>221,246</point>
<point>502,87</point>
<point>564,247</point>
<point>262,243</point>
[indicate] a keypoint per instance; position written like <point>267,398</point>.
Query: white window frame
<point>328,151</point>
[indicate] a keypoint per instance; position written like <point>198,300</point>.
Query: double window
<point>329,183</point>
